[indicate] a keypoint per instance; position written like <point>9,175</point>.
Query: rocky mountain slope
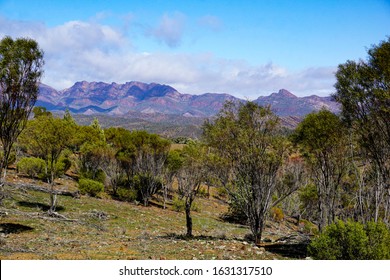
<point>126,99</point>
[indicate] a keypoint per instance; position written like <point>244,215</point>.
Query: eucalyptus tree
<point>363,90</point>
<point>47,137</point>
<point>251,151</point>
<point>21,63</point>
<point>190,176</point>
<point>323,142</point>
<point>151,153</point>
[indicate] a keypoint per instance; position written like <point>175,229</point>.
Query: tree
<point>245,136</point>
<point>112,168</point>
<point>21,63</point>
<point>40,111</point>
<point>322,139</point>
<point>172,166</point>
<point>363,90</point>
<point>150,155</point>
<point>47,137</point>
<point>90,142</point>
<point>190,177</point>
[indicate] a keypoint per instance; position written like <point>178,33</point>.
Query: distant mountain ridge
<point>126,99</point>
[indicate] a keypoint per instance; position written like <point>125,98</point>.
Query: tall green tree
<point>21,63</point>
<point>322,139</point>
<point>363,90</point>
<point>190,177</point>
<point>47,137</point>
<point>246,137</point>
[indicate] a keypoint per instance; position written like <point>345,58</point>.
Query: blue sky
<point>245,48</point>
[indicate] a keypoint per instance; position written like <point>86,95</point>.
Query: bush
<point>142,183</point>
<point>235,214</point>
<point>31,166</point>
<point>95,175</point>
<point>378,241</point>
<point>129,195</point>
<point>352,241</point>
<point>91,187</point>
<point>179,205</point>
<point>277,214</point>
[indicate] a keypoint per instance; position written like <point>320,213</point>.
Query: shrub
<point>277,214</point>
<point>179,205</point>
<point>129,195</point>
<point>91,187</point>
<point>308,227</point>
<point>352,241</point>
<point>96,175</point>
<point>222,192</point>
<point>378,241</point>
<point>235,214</point>
<point>31,166</point>
<point>143,184</point>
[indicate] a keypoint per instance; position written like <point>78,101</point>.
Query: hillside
<point>102,228</point>
<point>136,97</point>
<point>162,109</point>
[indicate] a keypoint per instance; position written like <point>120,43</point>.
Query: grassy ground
<point>108,229</point>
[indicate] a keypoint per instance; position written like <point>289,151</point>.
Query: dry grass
<point>108,229</point>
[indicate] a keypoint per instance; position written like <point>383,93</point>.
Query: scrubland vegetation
<point>244,185</point>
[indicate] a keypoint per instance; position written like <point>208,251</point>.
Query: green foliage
<point>47,138</point>
<point>322,139</point>
<point>378,245</point>
<point>68,118</point>
<point>319,132</point>
<point>174,161</point>
<point>352,241</point>
<point>98,175</point>
<point>308,196</point>
<point>308,227</point>
<point>11,157</point>
<point>40,111</point>
<point>235,214</point>
<point>362,89</point>
<point>21,63</point>
<point>179,205</point>
<point>277,214</point>
<point>142,184</point>
<point>182,140</point>
<point>90,187</point>
<point>202,192</point>
<point>126,194</point>
<point>31,166</point>
<point>245,136</point>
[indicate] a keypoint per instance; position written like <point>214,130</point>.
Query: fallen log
<point>75,194</point>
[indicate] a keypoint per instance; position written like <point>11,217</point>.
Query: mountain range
<point>137,99</point>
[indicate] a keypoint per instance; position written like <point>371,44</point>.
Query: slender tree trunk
<point>189,218</point>
<point>3,171</point>
<point>258,232</point>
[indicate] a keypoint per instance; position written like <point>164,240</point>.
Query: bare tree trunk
<point>188,218</point>
<point>3,170</point>
<point>53,195</point>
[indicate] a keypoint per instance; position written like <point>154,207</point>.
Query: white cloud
<point>91,51</point>
<point>170,29</point>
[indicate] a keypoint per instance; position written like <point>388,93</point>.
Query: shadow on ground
<point>195,237</point>
<point>38,205</point>
<point>8,228</point>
